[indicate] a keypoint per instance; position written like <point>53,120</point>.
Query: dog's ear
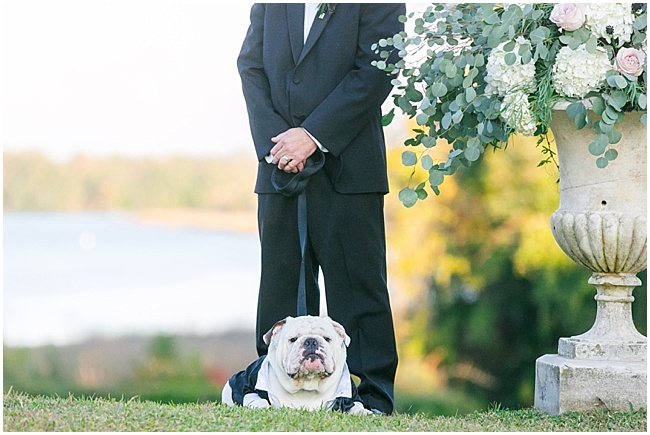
<point>340,330</point>
<point>274,330</point>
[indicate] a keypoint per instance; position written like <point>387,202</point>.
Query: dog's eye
<point>327,339</point>
<point>293,340</point>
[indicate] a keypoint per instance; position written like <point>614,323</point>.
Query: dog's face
<point>305,351</point>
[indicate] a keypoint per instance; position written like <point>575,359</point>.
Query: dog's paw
<point>258,404</point>
<point>358,409</point>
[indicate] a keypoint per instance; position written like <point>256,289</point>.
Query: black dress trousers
<point>347,240</point>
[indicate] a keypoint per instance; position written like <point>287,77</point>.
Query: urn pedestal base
<point>566,384</point>
<point>603,368</point>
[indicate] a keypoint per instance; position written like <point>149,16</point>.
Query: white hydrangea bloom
<point>617,16</point>
<point>502,78</point>
<point>577,72</point>
<point>517,114</point>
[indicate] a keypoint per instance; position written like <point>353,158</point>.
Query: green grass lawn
<point>28,413</point>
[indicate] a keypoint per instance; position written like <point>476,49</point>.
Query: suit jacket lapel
<point>296,26</point>
<point>316,30</point>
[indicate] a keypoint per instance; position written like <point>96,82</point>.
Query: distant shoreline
<point>242,221</point>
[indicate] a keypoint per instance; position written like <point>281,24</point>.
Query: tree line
<point>33,182</point>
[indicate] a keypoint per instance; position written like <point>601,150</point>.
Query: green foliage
<point>45,375</point>
<point>162,374</point>
<point>26,413</point>
<point>33,182</point>
<point>445,83</point>
<point>165,376</point>
<point>487,288</point>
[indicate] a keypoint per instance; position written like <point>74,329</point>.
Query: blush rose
<point>630,61</point>
<point>568,16</point>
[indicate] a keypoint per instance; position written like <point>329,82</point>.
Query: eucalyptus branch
<point>475,74</point>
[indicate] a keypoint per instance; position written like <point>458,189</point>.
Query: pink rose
<point>630,61</point>
<point>568,16</point>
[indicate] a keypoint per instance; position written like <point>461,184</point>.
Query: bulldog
<point>305,368</point>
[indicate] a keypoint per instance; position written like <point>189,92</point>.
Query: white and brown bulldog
<point>305,368</point>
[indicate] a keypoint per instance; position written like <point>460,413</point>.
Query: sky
<point>135,78</point>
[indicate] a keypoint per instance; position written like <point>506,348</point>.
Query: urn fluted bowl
<point>601,220</point>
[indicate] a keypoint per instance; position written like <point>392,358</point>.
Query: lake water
<point>69,276</point>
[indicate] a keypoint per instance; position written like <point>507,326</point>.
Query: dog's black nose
<point>310,344</point>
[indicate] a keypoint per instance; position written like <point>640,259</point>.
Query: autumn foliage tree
<point>486,288</point>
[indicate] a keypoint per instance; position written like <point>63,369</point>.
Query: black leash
<point>302,233</point>
<point>291,185</point>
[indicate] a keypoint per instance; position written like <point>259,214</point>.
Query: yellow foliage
<point>505,203</point>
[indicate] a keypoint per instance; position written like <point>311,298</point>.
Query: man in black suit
<point>308,83</point>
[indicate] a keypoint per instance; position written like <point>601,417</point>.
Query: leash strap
<point>295,184</point>
<point>302,233</point>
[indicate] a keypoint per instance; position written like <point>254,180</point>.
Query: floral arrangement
<point>475,74</point>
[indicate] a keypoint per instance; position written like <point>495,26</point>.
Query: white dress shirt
<point>311,9</point>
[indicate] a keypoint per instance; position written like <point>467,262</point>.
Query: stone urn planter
<point>601,225</point>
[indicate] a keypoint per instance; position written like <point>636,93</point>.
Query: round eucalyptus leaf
<point>575,110</point>
<point>599,145</point>
<point>618,99</point>
<point>508,47</point>
<point>473,142</point>
<point>580,122</point>
<point>427,162</point>
<point>436,177</point>
<point>472,154</point>
<point>422,119</point>
<point>609,116</point>
<point>538,35</point>
<point>598,105</point>
<point>409,158</point>
<point>428,141</point>
<point>616,80</point>
<point>592,45</point>
<point>605,127</point>
<point>611,154</point>
<point>614,136</point>
<point>451,70</point>
<point>470,94</point>
<point>408,197</point>
<point>438,90</point>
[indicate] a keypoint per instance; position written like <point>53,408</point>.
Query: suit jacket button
<point>296,80</point>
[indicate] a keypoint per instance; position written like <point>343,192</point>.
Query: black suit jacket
<point>328,86</point>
